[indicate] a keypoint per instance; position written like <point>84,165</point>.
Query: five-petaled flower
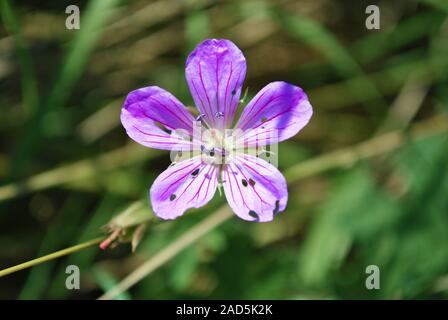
<point>254,188</point>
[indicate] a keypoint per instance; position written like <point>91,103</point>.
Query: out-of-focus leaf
<point>438,4</point>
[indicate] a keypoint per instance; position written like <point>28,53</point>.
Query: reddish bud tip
<point>105,244</point>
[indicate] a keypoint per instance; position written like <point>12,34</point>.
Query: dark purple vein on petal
<point>206,94</point>
<point>173,113</point>
<point>183,177</point>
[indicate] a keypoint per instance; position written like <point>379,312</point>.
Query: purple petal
<point>147,110</point>
<point>188,184</point>
<point>255,189</point>
<point>215,72</point>
<point>278,111</point>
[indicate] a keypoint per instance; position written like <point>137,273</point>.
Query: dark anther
<point>172,197</point>
<point>244,182</point>
<point>277,207</point>
<point>195,172</point>
<point>233,92</point>
<point>253,214</point>
<point>212,153</point>
<point>219,114</point>
<point>199,117</point>
<point>251,182</point>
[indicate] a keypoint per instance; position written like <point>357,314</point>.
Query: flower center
<point>217,146</point>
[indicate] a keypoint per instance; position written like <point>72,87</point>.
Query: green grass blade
<point>30,91</point>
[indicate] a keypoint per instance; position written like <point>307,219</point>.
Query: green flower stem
<point>51,256</point>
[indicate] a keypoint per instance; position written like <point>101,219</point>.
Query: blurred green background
<point>67,167</point>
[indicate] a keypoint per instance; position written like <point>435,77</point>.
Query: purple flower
<point>254,188</point>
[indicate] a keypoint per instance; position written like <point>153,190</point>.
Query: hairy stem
<point>50,256</point>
